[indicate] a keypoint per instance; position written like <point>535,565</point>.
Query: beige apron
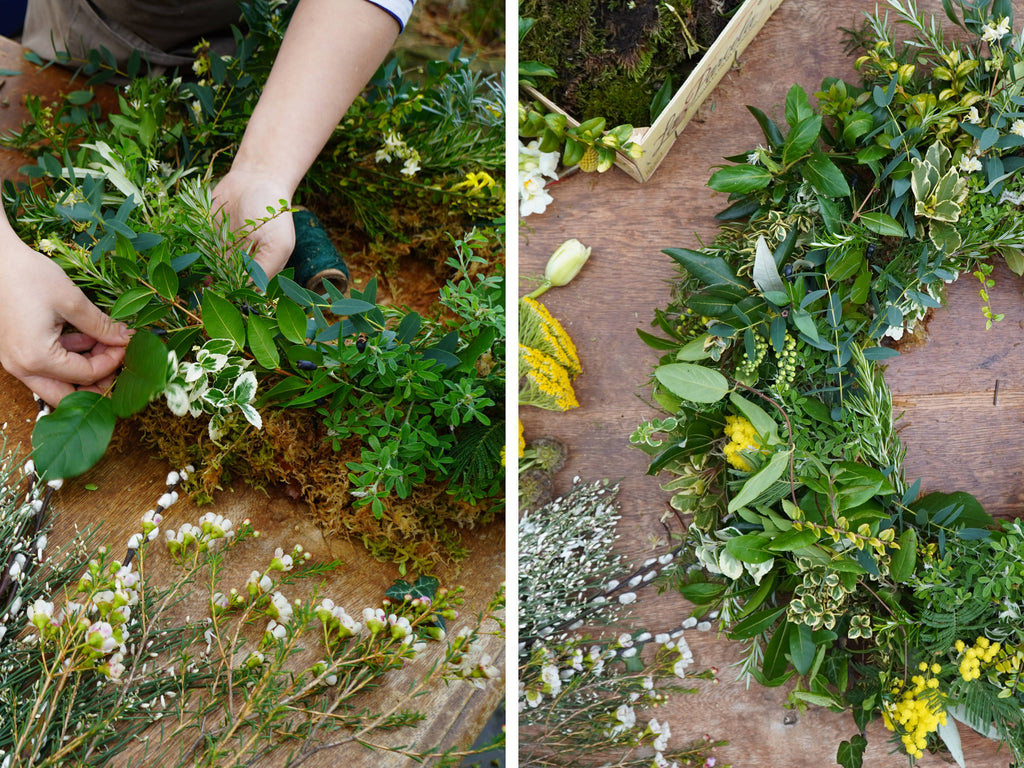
<point>162,30</point>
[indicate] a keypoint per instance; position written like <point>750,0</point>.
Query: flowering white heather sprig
<point>279,607</point>
<point>336,620</point>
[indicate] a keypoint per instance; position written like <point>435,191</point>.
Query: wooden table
<point>128,484</point>
<point>957,437</point>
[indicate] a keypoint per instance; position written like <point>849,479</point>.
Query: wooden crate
<point>657,139</point>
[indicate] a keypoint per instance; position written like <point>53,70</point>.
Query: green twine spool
<point>315,258</point>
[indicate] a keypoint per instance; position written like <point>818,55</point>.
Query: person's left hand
<point>244,195</point>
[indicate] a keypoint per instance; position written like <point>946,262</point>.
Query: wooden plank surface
<point>129,483</point>
<point>956,438</point>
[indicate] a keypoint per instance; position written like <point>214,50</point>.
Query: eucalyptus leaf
<point>695,383</point>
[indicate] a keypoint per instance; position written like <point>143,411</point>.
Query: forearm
<point>330,51</point>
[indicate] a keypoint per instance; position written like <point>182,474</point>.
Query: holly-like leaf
<point>74,437</point>
<point>425,586</point>
<point>143,377</point>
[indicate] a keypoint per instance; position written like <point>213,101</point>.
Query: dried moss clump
<point>612,56</point>
<point>420,531</point>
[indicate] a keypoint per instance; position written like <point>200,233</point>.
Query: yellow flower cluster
<point>742,436</point>
<point>918,711</point>
<point>539,330</point>
<point>543,382</point>
<point>982,652</point>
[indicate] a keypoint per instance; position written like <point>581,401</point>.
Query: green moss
<point>612,56</point>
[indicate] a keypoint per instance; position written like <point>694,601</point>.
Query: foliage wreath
<point>780,438</point>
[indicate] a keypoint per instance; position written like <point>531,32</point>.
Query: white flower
<point>279,607</point>
<point>969,163</point>
<point>973,117</point>
<point>661,732</point>
<point>410,166</point>
<point>993,34</point>
<point>533,198</point>
<point>1017,127</point>
<point>625,715</point>
<point>551,679</point>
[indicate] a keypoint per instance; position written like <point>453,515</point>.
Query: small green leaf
<point>882,224</point>
<point>91,487</point>
<point>71,439</point>
<point>775,661</point>
<point>693,382</point>
<point>801,138</point>
<point>740,178</point>
<point>425,586</point>
<point>222,319</point>
<point>130,302</point>
<point>261,341</point>
<point>165,280</point>
<point>825,177</point>
<point>759,418</point>
<point>710,270</point>
<point>351,307</point>
<point>802,648</point>
<point>291,320</point>
<point>851,753</point>
<point>793,539</point>
<point>904,559</point>
<point>702,592</point>
<point>755,623</point>
<point>143,377</point>
<point>760,482</point>
<point>749,548</point>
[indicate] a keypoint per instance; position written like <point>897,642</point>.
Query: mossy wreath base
<point>612,56</point>
<point>421,531</point>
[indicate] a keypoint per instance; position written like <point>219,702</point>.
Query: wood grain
<point>955,437</point>
<point>129,483</point>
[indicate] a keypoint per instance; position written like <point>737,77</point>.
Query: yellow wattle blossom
<point>982,652</point>
<point>539,330</point>
<point>742,436</point>
<point>918,711</point>
<point>543,382</point>
<point>522,440</point>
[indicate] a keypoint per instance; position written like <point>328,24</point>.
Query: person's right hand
<point>37,300</point>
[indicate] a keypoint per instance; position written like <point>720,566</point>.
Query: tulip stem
<point>543,287</point>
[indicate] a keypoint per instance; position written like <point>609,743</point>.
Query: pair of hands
<point>37,300</point>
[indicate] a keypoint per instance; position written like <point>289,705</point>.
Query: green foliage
<point>399,395</point>
<point>840,232</point>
